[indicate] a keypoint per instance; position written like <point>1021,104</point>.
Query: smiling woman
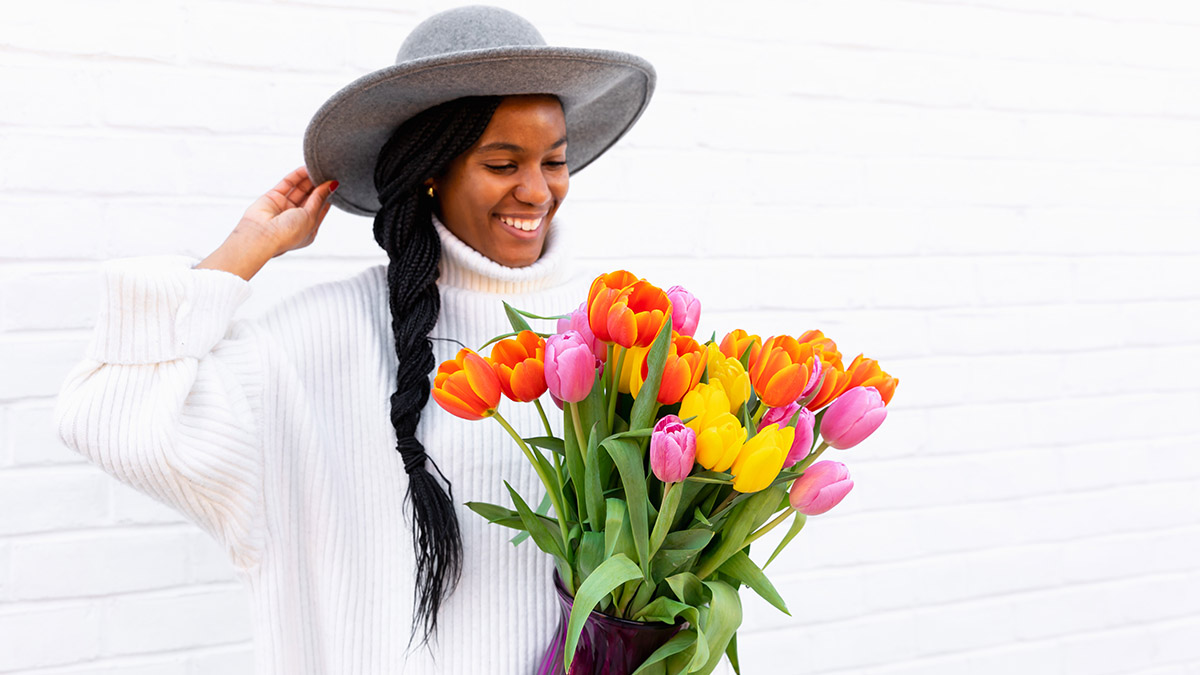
<point>275,435</point>
<point>500,196</point>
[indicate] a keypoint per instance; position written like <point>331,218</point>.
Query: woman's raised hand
<point>284,219</point>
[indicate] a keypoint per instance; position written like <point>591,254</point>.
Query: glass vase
<point>607,645</point>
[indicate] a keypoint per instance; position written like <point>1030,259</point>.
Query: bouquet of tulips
<point>676,455</point>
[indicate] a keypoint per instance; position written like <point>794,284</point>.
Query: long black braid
<point>420,149</point>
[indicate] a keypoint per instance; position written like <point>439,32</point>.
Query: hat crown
<point>465,29</point>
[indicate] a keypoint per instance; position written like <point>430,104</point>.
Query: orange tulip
<point>827,348</point>
<point>781,370</point>
<point>467,386</point>
<point>737,341</point>
<point>867,373</point>
<point>520,365</point>
<point>681,371</point>
<point>636,315</point>
<point>603,293</point>
<point>836,383</point>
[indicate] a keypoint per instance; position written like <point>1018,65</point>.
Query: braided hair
<point>420,149</point>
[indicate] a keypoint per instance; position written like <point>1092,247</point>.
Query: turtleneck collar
<point>463,267</point>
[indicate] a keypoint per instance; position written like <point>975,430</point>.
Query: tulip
<point>630,379</point>
<point>819,342</point>
<point>835,383</point>
<point>736,342</point>
<point>761,458</point>
<point>867,373</point>
<point>821,488</point>
<point>636,315</point>
<point>578,321</point>
<point>604,292</point>
<point>733,377</point>
<point>719,443</point>
<point>672,450</point>
<point>805,419</point>
<point>519,363</point>
<point>704,402</point>
<point>570,367</point>
<point>855,415</point>
<point>781,371</point>
<point>681,371</point>
<point>685,310</point>
<point>467,387</point>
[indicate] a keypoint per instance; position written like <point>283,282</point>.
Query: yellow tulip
<point>761,458</point>
<point>719,443</point>
<point>732,376</point>
<point>629,381</point>
<point>704,402</point>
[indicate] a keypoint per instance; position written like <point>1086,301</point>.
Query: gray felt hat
<point>472,51</point>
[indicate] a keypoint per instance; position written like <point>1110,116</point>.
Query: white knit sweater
<point>274,436</point>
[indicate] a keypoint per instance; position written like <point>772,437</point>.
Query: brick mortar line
<point>16,608</point>
<point>134,660</point>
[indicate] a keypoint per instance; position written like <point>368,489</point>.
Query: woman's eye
<point>500,167</point>
<point>556,165</point>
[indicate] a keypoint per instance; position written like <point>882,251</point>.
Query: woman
<point>273,435</point>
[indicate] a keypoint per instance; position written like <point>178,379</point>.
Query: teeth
<point>526,225</point>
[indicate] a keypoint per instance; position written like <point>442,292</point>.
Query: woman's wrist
<point>243,253</point>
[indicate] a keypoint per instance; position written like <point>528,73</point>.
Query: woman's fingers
<point>300,192</point>
<point>291,180</point>
<point>317,204</point>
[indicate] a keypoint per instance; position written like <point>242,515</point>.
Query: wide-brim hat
<point>472,51</point>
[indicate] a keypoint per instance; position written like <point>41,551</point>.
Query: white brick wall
<point>997,198</point>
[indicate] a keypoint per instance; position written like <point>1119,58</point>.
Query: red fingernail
<point>333,186</point>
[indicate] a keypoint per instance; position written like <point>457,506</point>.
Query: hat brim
<point>603,93</point>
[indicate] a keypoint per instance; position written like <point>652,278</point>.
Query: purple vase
<point>607,645</point>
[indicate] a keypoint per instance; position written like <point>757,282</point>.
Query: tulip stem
<point>725,504</point>
<point>612,398</point>
<point>580,439</point>
<point>555,496</point>
<point>783,515</point>
<point>807,461</point>
<point>758,414</point>
<point>537,402</point>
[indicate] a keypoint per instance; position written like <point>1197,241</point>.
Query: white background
<point>998,199</point>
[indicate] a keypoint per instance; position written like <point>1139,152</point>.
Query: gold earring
<point>430,191</point>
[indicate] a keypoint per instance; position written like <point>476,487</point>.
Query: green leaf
<point>591,554</point>
<point>666,515</point>
<point>627,457</point>
<point>609,575</point>
<point>574,456</point>
<point>731,652</point>
<point>723,619</point>
<point>797,525</point>
<point>678,550</point>
<point>547,538</point>
<point>688,588</point>
<point>531,315</point>
<point>741,567</point>
<point>661,609</point>
<point>547,443</point>
<point>594,483</point>
<point>682,640</point>
<point>742,519</point>
<point>514,317</point>
<point>618,538</point>
<point>638,433</point>
<point>646,403</point>
<point>541,510</point>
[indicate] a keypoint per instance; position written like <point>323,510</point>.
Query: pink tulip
<point>570,367</point>
<point>672,450</point>
<point>804,429</point>
<point>813,379</point>
<point>855,415</point>
<point>822,486</point>
<point>578,321</point>
<point>685,310</point>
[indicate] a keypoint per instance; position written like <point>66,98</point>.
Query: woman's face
<point>500,195</point>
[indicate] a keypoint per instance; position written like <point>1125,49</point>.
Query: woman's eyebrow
<point>511,147</point>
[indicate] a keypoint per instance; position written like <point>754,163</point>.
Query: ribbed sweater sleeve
<point>168,396</point>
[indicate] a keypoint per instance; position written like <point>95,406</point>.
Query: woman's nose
<point>533,189</point>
